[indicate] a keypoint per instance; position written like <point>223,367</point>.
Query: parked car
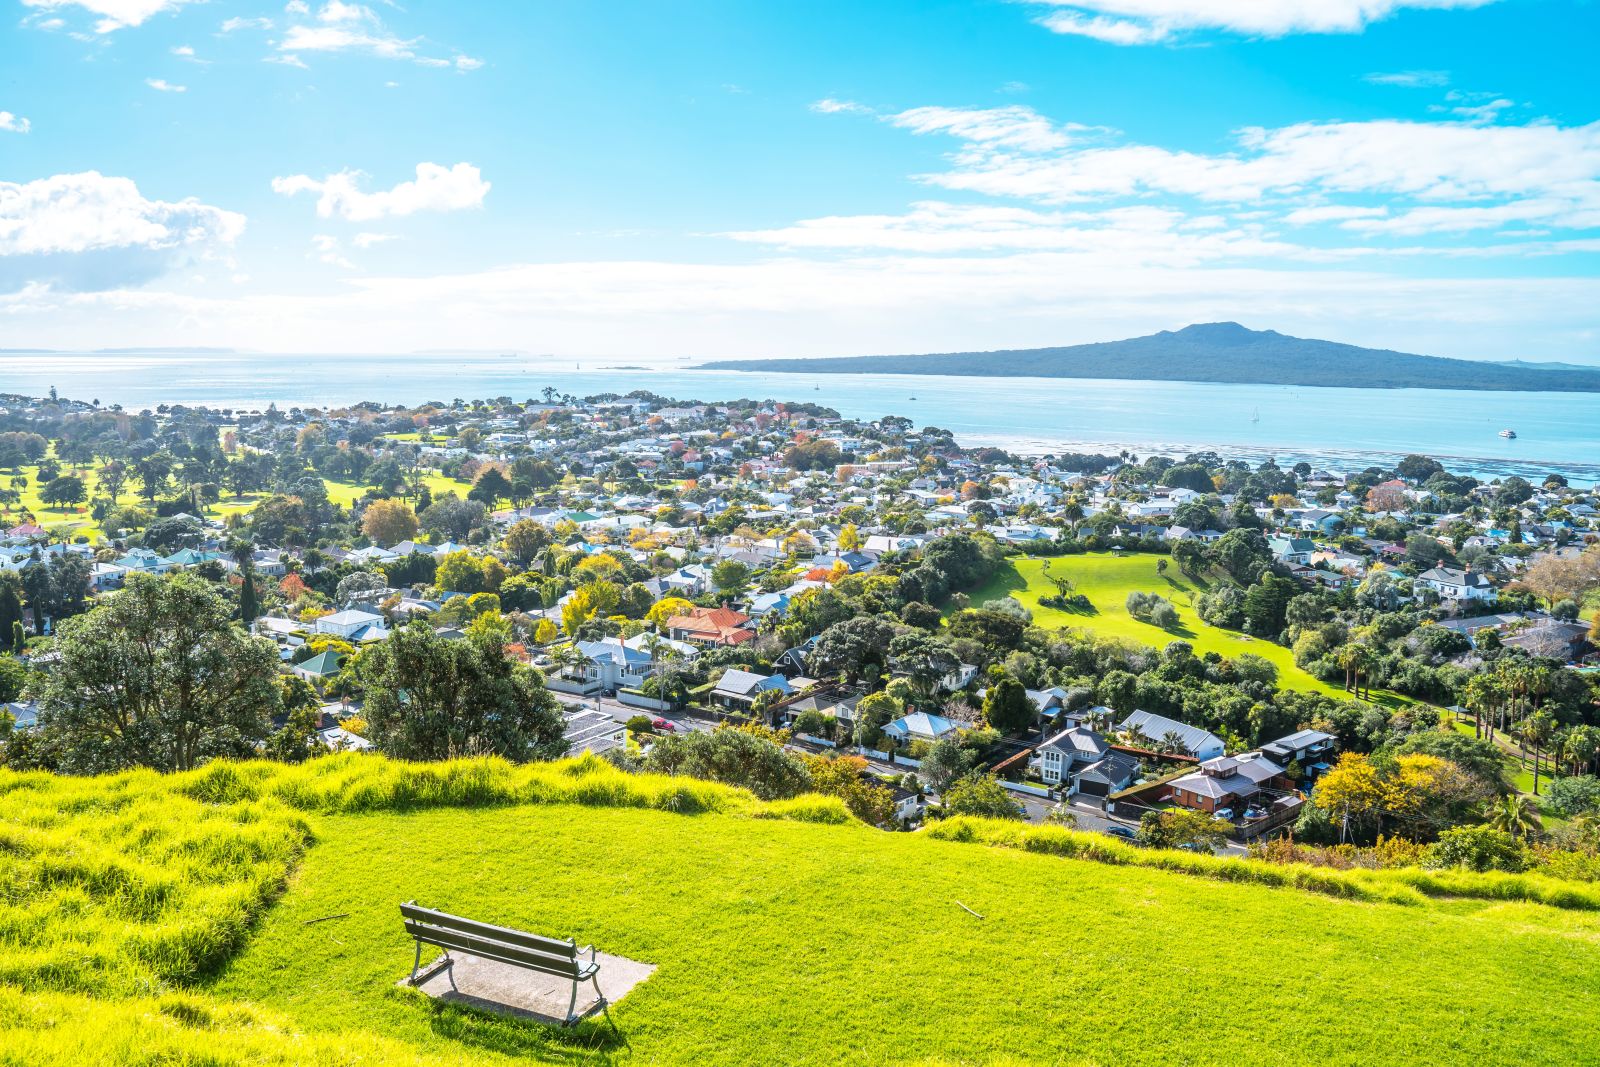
<point>1123,832</point>
<point>665,726</point>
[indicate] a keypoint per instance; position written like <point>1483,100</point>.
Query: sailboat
<point>1255,415</point>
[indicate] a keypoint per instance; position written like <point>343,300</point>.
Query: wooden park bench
<point>546,955</point>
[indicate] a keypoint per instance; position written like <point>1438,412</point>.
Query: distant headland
<point>1212,352</point>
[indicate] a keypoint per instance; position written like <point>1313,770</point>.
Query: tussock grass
<point>177,1028</point>
<point>1407,886</point>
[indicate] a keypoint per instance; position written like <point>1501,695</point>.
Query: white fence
<point>635,699</point>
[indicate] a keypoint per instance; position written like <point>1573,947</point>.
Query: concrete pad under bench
<point>525,994</point>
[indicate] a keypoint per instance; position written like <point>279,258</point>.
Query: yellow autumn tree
<point>1351,792</point>
<point>667,608</point>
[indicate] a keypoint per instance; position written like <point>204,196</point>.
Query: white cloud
<point>998,127</point>
<point>1311,216</point>
<point>286,60</point>
<point>367,239</point>
<point>1411,79</point>
<point>1132,22</point>
<point>234,24</point>
<point>114,14</point>
<point>339,39</point>
<point>345,27</point>
<point>336,11</point>
<point>1126,235</point>
<point>14,123</point>
<point>183,51</point>
<point>326,250</point>
<point>1112,31</point>
<point>830,106</point>
<point>91,231</point>
<point>161,85</point>
<point>1435,163</point>
<point>1552,211</point>
<point>436,188</point>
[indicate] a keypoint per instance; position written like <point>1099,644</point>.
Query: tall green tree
<point>10,602</point>
<point>158,676</point>
<point>430,698</point>
<point>244,554</point>
<point>1007,707</point>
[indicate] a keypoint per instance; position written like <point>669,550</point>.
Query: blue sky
<point>656,179</point>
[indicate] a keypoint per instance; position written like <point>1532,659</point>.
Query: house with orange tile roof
<point>717,627</point>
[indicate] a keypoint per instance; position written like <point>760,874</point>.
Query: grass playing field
<point>1107,578</point>
<point>777,941</point>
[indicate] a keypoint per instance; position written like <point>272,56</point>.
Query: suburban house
<point>737,690</point>
<point>609,664</point>
<point>920,726</point>
<point>1309,748</point>
<point>834,706</point>
<point>1292,549</point>
<point>1158,729</point>
<point>717,627</point>
<point>1112,772</point>
<point>321,667</point>
<point>1453,584</point>
<point>352,624</point>
<point>1555,638</point>
<point>588,730</point>
<point>1058,757</point>
<point>1227,783</point>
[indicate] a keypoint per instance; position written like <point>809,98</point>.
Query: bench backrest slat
<point>494,949</point>
<point>549,945</point>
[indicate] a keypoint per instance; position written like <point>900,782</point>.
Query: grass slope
<point>170,903</point>
<point>786,942</point>
<point>1107,578</point>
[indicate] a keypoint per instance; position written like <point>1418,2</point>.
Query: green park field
<point>1107,578</point>
<point>74,520</point>
<point>156,919</point>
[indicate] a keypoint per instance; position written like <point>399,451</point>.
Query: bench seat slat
<point>548,945</point>
<point>565,966</point>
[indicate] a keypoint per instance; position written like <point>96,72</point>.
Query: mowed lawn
<point>74,519</point>
<point>796,943</point>
<point>347,493</point>
<point>1107,578</point>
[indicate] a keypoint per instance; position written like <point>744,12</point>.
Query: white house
<point>353,624</point>
<point>1452,584</point>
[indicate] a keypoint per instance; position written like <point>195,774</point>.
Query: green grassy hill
<point>1107,578</point>
<point>149,919</point>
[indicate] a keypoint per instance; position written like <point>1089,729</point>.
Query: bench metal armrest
<point>593,955</point>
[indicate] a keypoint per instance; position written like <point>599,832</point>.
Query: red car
<point>666,726</point>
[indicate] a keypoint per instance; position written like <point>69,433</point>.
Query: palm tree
<point>1536,731</point>
<point>1516,815</point>
<point>1481,698</point>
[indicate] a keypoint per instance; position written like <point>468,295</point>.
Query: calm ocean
<point>1344,428</point>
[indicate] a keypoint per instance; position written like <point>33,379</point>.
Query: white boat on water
<point>1508,433</point>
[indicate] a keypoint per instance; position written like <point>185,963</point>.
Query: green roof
<point>322,664</point>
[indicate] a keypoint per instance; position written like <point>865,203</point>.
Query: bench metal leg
<point>415,963</point>
<point>572,1005</point>
<point>605,1008</point>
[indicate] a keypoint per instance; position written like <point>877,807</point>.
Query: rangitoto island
<point>1210,352</point>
